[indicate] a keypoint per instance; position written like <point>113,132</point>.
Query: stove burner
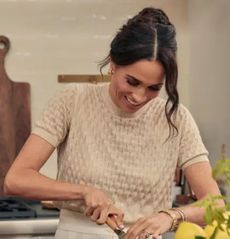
<point>14,208</point>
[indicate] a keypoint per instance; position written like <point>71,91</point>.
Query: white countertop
<point>29,226</point>
<point>46,226</point>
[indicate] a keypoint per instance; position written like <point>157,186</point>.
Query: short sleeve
<point>55,120</point>
<point>191,147</point>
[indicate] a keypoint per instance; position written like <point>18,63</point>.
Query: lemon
<point>188,230</point>
<point>226,215</point>
<point>209,229</point>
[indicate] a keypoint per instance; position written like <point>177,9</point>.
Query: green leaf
<point>199,237</point>
<point>210,203</point>
<point>221,171</point>
<point>208,215</point>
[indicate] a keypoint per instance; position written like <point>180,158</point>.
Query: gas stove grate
<point>13,209</point>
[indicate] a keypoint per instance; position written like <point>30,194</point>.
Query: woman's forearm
<point>31,184</point>
<point>23,178</point>
<point>199,176</point>
<point>194,214</point>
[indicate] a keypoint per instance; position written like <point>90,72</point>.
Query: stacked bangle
<point>174,224</point>
<point>175,219</point>
<point>181,213</point>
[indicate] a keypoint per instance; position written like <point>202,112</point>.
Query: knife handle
<point>111,223</point>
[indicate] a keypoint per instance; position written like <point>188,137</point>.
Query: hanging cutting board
<point>15,118</point>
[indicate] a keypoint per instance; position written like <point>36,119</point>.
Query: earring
<point>110,72</point>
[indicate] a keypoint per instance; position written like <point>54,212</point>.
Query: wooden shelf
<point>83,78</point>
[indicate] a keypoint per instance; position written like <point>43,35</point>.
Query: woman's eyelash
<point>154,88</point>
<point>132,82</point>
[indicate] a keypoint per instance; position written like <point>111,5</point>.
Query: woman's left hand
<point>153,225</point>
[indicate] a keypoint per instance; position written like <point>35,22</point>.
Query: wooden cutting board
<point>15,116</point>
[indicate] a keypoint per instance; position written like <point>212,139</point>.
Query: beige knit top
<point>125,154</point>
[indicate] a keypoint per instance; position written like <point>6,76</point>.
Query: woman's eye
<point>132,82</point>
<point>154,88</point>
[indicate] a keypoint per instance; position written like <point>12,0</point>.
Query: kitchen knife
<point>120,232</point>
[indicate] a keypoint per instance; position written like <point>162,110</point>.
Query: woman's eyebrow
<point>139,81</point>
<point>134,78</point>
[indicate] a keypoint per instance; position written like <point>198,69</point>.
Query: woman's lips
<point>132,103</point>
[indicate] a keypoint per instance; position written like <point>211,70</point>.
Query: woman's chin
<point>129,109</point>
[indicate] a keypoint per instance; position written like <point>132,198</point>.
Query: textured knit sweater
<point>124,154</point>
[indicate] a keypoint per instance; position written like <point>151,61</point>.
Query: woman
<point>119,143</point>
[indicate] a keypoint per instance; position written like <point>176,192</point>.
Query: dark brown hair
<point>149,35</point>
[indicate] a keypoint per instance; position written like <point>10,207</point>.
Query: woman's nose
<point>139,95</point>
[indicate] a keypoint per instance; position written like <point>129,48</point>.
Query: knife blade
<point>120,233</point>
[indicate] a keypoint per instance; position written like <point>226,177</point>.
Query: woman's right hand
<point>99,207</point>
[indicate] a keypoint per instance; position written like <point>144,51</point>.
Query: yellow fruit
<point>188,230</point>
<point>226,214</point>
<point>209,229</point>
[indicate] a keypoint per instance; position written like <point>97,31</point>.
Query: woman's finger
<point>111,212</point>
<point>96,214</point>
<point>116,214</point>
<point>89,211</point>
<point>103,215</point>
<point>142,235</point>
<point>156,234</point>
<point>138,229</point>
<point>140,223</point>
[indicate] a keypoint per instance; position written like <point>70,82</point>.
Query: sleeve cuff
<point>46,136</point>
<point>197,159</point>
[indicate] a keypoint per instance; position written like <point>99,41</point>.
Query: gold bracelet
<point>174,219</point>
<point>182,214</point>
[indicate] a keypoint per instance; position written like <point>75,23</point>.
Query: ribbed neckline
<point>114,109</point>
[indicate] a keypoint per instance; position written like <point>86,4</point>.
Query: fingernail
<point>121,227</point>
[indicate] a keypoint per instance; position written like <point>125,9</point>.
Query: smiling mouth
<point>132,103</point>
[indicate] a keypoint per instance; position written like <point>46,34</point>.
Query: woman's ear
<point>111,67</point>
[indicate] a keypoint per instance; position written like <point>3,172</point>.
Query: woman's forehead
<point>144,70</point>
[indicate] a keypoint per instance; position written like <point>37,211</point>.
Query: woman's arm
<point>199,176</point>
<point>23,178</point>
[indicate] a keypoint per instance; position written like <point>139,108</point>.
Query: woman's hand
<point>99,207</point>
<point>154,225</point>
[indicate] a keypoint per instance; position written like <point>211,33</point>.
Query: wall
<point>51,37</point>
<point>209,79</point>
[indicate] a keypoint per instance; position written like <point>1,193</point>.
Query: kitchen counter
<point>21,218</point>
<point>35,228</point>
<point>28,226</point>
<point>43,226</point>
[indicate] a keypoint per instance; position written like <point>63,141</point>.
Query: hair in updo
<point>149,35</point>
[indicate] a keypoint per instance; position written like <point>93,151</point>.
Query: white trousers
<point>73,225</point>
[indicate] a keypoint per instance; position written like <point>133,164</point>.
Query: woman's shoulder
<point>184,117</point>
<point>75,90</point>
<point>75,87</point>
<point>183,111</point>
<point>161,102</point>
